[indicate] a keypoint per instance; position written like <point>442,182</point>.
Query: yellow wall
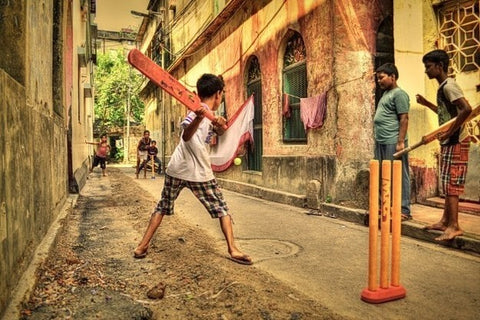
<point>416,33</point>
<point>409,50</point>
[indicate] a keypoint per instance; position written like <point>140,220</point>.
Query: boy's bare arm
<point>189,131</point>
<point>421,100</point>
<point>94,143</point>
<point>402,132</point>
<point>464,110</point>
<point>139,144</point>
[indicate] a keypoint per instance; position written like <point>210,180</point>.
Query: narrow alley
<point>306,266</point>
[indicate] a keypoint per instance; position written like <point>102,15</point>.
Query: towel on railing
<point>313,110</point>
<point>240,130</point>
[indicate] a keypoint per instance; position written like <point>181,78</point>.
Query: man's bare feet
<point>242,260</point>
<point>240,257</point>
<point>449,234</point>
<point>436,226</point>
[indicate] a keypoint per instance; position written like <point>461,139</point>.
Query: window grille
<point>295,86</point>
<point>254,86</point>
<point>459,27</point>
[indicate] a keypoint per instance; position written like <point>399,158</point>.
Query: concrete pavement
<point>326,258</point>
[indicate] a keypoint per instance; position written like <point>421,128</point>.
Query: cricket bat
<point>434,134</point>
<point>166,81</point>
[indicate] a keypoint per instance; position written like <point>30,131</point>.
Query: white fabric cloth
<point>190,161</point>
<point>240,130</point>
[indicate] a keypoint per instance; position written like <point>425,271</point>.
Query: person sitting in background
<point>152,152</point>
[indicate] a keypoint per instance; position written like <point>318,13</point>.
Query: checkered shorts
<point>453,167</point>
<point>207,192</point>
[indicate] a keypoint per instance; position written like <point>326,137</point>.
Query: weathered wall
<point>340,41</point>
<point>79,114</point>
<point>13,55</point>
<point>355,25</point>
<point>33,165</point>
<point>33,185</point>
<point>34,120</point>
<point>416,33</point>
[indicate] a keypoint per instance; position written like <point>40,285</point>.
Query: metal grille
<point>254,156</point>
<point>460,34</point>
<point>295,85</point>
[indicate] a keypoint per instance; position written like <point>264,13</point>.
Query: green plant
<point>116,86</point>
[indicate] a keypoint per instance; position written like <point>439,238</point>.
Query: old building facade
<point>272,48</point>
<point>300,49</point>
<point>46,114</point>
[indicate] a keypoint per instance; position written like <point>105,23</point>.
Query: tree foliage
<point>114,81</point>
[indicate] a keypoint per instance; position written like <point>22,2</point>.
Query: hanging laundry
<point>313,110</point>
<point>240,130</point>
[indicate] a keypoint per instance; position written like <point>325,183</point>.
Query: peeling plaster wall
<point>340,41</point>
<point>33,137</point>
<point>33,157</point>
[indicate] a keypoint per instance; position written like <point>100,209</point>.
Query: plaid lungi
<point>207,192</point>
<point>453,167</point>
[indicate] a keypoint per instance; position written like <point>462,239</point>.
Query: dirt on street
<point>91,273</point>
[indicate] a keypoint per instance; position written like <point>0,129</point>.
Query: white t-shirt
<point>191,159</point>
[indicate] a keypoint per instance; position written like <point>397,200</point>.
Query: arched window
<point>295,87</point>
<point>254,86</point>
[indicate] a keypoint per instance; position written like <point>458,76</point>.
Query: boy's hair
<point>437,56</point>
<point>146,131</point>
<point>153,141</point>
<point>209,84</point>
<point>389,69</point>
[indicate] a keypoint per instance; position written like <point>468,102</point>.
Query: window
<point>254,86</point>
<point>295,86</point>
<point>459,25</point>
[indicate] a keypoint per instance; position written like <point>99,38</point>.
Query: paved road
<point>326,258</point>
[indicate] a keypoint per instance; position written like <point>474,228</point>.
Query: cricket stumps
<point>381,290</point>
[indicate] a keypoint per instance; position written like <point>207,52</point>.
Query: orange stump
<point>385,292</point>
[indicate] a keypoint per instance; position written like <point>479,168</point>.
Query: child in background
<point>152,152</point>
<point>103,148</point>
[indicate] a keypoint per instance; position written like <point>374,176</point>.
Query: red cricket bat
<point>164,80</point>
<point>434,134</point>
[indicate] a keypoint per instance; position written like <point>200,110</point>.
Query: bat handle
<point>408,149</point>
<point>402,152</point>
